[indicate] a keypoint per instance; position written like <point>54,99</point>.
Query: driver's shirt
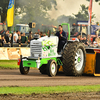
<point>60,33</point>
<point>16,37</point>
<point>64,36</point>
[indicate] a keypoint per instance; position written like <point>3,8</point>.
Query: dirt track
<point>34,78</point>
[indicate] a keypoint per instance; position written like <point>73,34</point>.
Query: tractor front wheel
<point>23,70</point>
<point>52,68</point>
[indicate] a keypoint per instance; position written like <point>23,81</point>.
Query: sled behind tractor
<point>92,61</point>
<point>75,59</point>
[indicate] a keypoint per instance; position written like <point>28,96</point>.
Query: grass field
<point>42,90</point>
<point>8,64</point>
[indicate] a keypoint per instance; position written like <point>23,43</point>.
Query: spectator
<point>99,42</point>
<point>36,33</point>
<point>95,43</point>
<point>15,37</point>
<point>23,38</point>
<point>30,37</point>
<point>19,40</point>
<point>10,37</point>
<point>78,37</point>
<point>85,41</point>
<point>97,32</point>
<point>7,37</point>
<point>21,34</point>
<point>52,34</point>
<point>73,31</point>
<point>2,40</point>
<point>89,38</point>
<point>95,37</point>
<point>44,35</point>
<point>18,32</point>
<point>8,33</point>
<point>41,34</point>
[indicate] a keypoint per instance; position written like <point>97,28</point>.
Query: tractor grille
<point>36,48</point>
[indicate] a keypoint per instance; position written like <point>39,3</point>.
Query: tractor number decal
<point>52,53</point>
<point>51,48</point>
<point>45,48</point>
<point>47,43</point>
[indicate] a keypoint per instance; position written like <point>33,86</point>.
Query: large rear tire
<point>74,59</point>
<point>24,70</point>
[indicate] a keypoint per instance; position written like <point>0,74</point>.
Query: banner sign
<point>3,54</point>
<point>13,53</point>
<point>25,52</point>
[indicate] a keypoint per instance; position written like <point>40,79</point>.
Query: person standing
<point>41,34</point>
<point>2,41</point>
<point>78,37</point>
<point>6,37</point>
<point>19,40</point>
<point>18,32</point>
<point>10,36</point>
<point>85,41</point>
<point>62,35</point>
<point>15,37</point>
<point>30,37</point>
<point>23,38</point>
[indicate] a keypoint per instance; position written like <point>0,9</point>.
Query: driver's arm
<point>57,34</point>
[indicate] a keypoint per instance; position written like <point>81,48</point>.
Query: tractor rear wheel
<point>43,69</point>
<point>23,70</point>
<point>74,58</point>
<point>52,68</point>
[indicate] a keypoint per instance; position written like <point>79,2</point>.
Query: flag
<point>10,13</point>
<point>90,12</point>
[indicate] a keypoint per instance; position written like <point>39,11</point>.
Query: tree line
<point>36,11</point>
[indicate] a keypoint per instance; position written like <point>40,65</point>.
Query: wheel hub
<point>26,68</point>
<point>53,68</point>
<point>79,59</point>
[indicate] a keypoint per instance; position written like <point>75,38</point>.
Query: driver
<point>62,38</point>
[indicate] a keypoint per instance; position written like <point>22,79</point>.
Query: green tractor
<point>44,56</point>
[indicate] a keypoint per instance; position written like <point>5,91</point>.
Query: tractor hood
<point>52,40</point>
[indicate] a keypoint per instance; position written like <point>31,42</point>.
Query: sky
<point>67,7</point>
